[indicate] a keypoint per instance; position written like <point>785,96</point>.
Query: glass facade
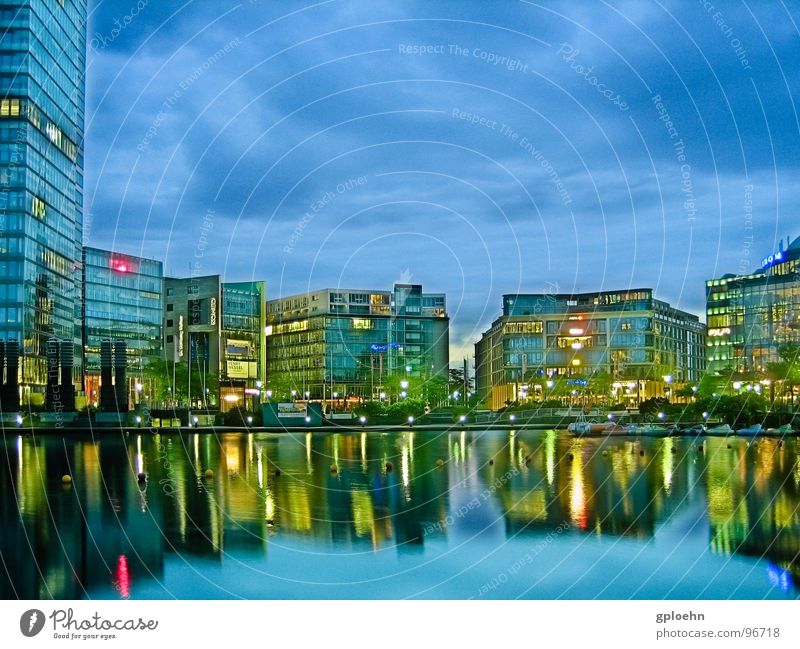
<point>623,335</point>
<point>122,300</point>
<point>351,341</point>
<point>42,67</point>
<point>750,316</point>
<point>218,327</point>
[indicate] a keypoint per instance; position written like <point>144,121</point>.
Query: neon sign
<point>724,331</point>
<point>775,258</point>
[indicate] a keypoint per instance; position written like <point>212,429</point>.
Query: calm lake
<point>490,514</point>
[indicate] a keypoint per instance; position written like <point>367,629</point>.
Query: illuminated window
<point>9,108</point>
<point>38,208</point>
<point>361,323</point>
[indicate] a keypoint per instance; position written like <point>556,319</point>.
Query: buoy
<point>571,456</point>
<point>440,462</point>
<point>141,477</point>
<point>388,467</point>
<point>66,479</point>
<point>641,453</point>
<point>277,472</point>
<point>209,474</point>
<point>334,468</point>
<point>729,445</point>
<point>491,462</point>
<point>604,453</point>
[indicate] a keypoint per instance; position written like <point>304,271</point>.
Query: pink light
<point>122,268</point>
<point>123,577</point>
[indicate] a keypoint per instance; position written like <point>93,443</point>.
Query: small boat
<point>616,429</point>
<point>750,431</point>
<point>654,430</point>
<point>723,429</point>
<point>581,426</point>
<point>786,429</point>
<point>697,429</point>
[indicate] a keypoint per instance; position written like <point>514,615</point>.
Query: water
<point>506,515</point>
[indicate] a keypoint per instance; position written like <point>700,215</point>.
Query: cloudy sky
<point>477,148</point>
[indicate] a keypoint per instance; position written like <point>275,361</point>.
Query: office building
<point>750,316</point>
<point>350,342</point>
<point>122,298</point>
<point>643,346</point>
<point>219,328</point>
<point>42,68</point>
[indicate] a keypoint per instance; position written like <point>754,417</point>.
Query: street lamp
<point>269,394</point>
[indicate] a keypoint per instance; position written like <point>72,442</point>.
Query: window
<point>170,291</point>
<point>9,107</point>
<point>38,208</point>
<point>625,326</point>
<point>170,323</point>
<point>170,307</point>
<point>170,338</point>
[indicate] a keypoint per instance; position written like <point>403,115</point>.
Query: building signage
<point>180,336</point>
<point>213,311</point>
<point>724,331</point>
<point>775,258</point>
<point>241,369</point>
<point>291,410</point>
<point>237,348</point>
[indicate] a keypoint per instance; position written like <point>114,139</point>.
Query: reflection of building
<point>41,177</point>
<point>351,341</point>
<point>626,335</point>
<point>219,327</point>
<point>749,316</point>
<point>122,301</point>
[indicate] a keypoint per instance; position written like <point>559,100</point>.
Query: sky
<point>477,148</point>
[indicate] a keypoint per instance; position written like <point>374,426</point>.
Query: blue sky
<point>478,148</point>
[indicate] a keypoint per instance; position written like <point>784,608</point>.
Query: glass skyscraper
<point>122,301</point>
<point>42,67</point>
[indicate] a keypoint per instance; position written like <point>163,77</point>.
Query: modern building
<point>350,342</point>
<point>122,298</point>
<point>750,316</point>
<point>641,345</point>
<point>42,69</point>
<point>219,328</point>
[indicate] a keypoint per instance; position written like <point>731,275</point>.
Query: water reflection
<point>357,493</point>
